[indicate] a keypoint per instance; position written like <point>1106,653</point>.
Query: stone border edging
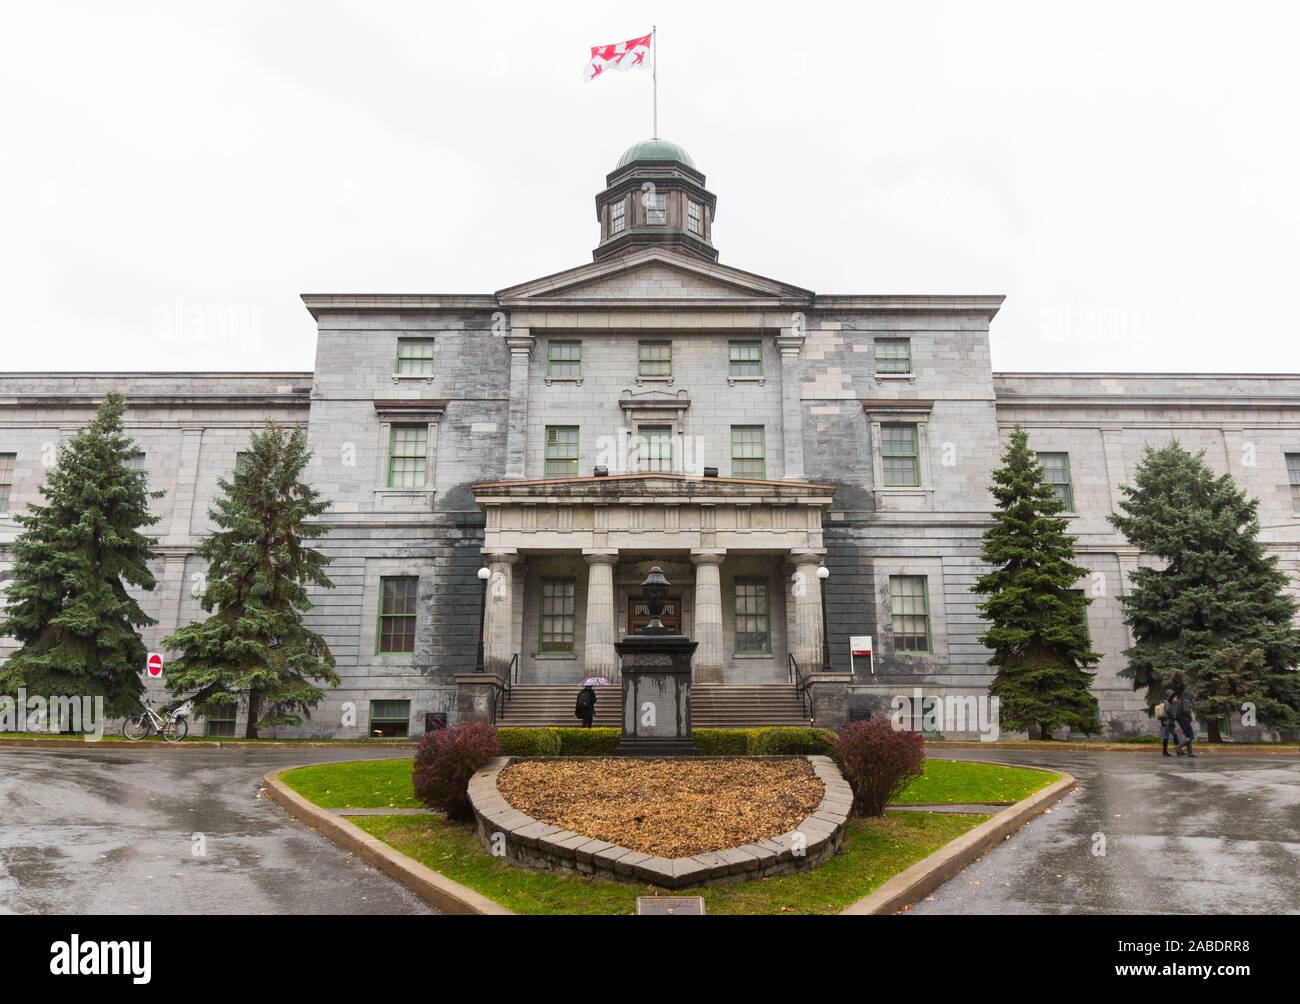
<point>531,842</point>
<point>932,871</point>
<point>1054,746</point>
<point>433,887</point>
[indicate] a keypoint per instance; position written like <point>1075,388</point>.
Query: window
<point>746,359</point>
<point>656,209</point>
<point>557,621</point>
<point>397,614</point>
<point>909,608</point>
<point>893,355</point>
<point>654,449</point>
<point>899,458</point>
<point>1056,470</point>
<point>415,356</point>
<point>694,217</point>
<point>561,451</point>
<point>7,462</point>
<point>136,461</point>
<point>563,360</point>
<point>618,216</point>
<point>219,723</point>
<point>408,455</point>
<point>748,452</point>
<point>390,718</point>
<point>752,635</point>
<point>241,459</point>
<point>1292,470</point>
<point>654,359</point>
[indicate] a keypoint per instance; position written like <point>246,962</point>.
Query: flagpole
<point>654,74</point>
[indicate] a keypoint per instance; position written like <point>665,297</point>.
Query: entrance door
<point>638,614</point>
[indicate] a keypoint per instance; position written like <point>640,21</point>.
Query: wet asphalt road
<point>1218,834</point>
<point>107,831</point>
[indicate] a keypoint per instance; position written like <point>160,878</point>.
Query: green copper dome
<point>655,149</point>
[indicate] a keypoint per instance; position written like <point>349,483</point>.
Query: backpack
<point>1162,712</point>
<point>582,705</point>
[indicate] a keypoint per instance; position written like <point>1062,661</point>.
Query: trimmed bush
<point>723,742</point>
<point>587,742</point>
<point>879,761</point>
<point>792,741</point>
<point>445,761</point>
<point>529,742</point>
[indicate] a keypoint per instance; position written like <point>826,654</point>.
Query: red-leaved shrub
<point>446,760</point>
<point>878,762</point>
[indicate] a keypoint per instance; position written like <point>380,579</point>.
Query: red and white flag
<point>629,55</point>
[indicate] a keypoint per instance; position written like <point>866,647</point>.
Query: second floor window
<point>561,451</point>
<point>745,358</point>
<point>397,614</point>
<point>748,452</point>
<point>655,449</point>
<point>753,636</point>
<point>558,624</point>
<point>654,359</point>
<point>618,216</point>
<point>408,450</point>
<point>563,360</point>
<point>7,462</point>
<point>656,209</point>
<point>1292,471</point>
<point>893,355</point>
<point>414,356</point>
<point>694,218</point>
<point>899,457</point>
<point>1056,470</point>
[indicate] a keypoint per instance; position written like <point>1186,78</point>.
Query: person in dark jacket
<point>585,708</point>
<point>1169,724</point>
<point>1184,716</point>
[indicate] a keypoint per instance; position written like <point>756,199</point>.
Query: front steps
<point>713,706</point>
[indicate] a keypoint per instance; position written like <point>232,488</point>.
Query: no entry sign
<point>153,665</point>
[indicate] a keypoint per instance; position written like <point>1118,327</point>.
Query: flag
<point>629,55</point>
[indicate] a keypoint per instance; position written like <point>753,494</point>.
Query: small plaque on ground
<point>658,906</point>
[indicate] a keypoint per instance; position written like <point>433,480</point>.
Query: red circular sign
<point>155,664</point>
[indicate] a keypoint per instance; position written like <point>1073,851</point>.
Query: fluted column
<point>498,612</point>
<point>598,651</point>
<point>707,632</point>
<point>806,589</point>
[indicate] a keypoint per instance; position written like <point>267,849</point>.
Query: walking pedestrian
<point>585,708</point>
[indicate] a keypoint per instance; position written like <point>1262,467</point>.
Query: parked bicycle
<point>172,725</point>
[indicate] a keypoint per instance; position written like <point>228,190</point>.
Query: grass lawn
<point>365,784</point>
<point>873,851</point>
<point>953,781</point>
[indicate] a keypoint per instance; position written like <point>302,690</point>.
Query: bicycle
<point>172,725</point>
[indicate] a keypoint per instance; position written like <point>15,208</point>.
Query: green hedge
<point>793,742</point>
<point>783,741</point>
<point>529,742</point>
<point>723,742</point>
<point>587,742</point>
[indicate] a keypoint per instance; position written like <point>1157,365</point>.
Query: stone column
<point>789,342</point>
<point>807,592</point>
<point>600,637</point>
<point>521,347</point>
<point>707,665</point>
<point>498,612</point>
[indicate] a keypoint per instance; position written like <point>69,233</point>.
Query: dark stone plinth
<point>656,695</point>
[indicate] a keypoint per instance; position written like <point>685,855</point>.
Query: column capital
<point>520,341</point>
<point>595,556</point>
<point>701,556</point>
<point>500,557</point>
<point>806,557</point>
<point>789,342</point>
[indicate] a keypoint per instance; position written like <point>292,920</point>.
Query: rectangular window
<point>752,622</point>
<point>909,608</point>
<point>219,723</point>
<point>557,621</point>
<point>893,355</point>
<point>415,356</point>
<point>397,596</point>
<point>746,358</point>
<point>748,452</point>
<point>563,360</point>
<point>7,462</point>
<point>1056,470</point>
<point>656,209</point>
<point>561,451</point>
<point>390,719</point>
<point>408,455</point>
<point>694,217</point>
<point>618,216</point>
<point>654,452</point>
<point>136,461</point>
<point>899,458</point>
<point>654,359</point>
<point>1292,471</point>
<point>241,459</point>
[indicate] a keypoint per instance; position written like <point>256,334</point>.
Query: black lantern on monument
<point>655,590</point>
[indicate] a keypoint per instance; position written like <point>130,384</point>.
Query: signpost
<point>153,665</point>
<point>860,645</point>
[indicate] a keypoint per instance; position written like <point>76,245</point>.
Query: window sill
<point>653,379</point>
<point>753,655</point>
<point>904,377</point>
<point>574,380</point>
<point>405,492</point>
<point>553,657</point>
<point>905,490</point>
<point>426,377</point>
<point>733,380</point>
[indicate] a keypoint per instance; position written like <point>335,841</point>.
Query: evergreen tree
<point>1214,609</point>
<point>77,554</point>
<point>254,643</point>
<point>1037,619</point>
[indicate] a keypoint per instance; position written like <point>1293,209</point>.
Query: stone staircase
<point>713,706</point>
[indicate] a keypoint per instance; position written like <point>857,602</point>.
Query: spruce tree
<point>1037,627</point>
<point>254,643</point>
<point>1214,608</point>
<point>69,605</point>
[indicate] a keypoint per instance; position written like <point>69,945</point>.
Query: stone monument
<point>656,682</point>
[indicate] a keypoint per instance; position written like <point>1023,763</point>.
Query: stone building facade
<point>504,468</point>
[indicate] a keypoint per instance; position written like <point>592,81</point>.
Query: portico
<point>565,559</point>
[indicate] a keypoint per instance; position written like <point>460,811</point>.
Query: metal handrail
<point>511,678</point>
<point>796,677</point>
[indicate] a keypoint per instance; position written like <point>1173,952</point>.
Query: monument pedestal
<point>656,695</point>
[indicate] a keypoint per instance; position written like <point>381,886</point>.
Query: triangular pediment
<point>652,275</point>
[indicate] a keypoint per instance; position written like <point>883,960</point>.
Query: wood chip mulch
<point>669,808</point>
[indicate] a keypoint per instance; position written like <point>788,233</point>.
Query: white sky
<point>173,175</point>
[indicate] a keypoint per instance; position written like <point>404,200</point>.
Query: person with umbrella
<point>585,708</point>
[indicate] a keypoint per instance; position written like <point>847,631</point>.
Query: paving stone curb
<point>433,887</point>
<point>1238,749</point>
<point>922,878</point>
<point>194,744</point>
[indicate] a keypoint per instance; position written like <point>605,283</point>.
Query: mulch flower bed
<point>669,808</point>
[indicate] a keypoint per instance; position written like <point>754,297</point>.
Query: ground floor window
<point>390,719</point>
<point>219,723</point>
<point>558,622</point>
<point>753,635</point>
<point>397,614</point>
<point>909,606</point>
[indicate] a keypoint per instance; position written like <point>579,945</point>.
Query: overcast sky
<point>174,175</point>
